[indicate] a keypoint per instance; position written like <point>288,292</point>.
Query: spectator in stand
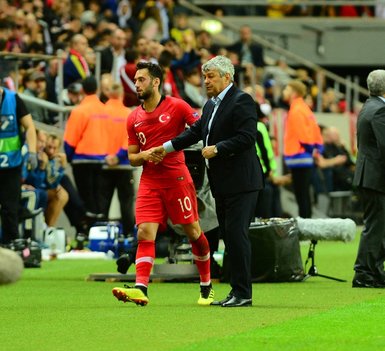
<point>113,57</point>
<point>34,198</point>
<point>35,86</point>
<point>183,58</point>
<point>162,12</point>
<point>354,11</point>
<point>75,67</point>
<point>125,17</point>
<point>116,171</point>
<point>50,78</point>
<point>15,42</point>
<point>193,89</point>
<point>141,45</point>
<point>74,208</point>
<point>170,86</point>
<point>58,18</point>
<point>40,194</point>
<point>47,176</point>
<point>154,51</point>
<point>205,45</point>
<point>57,195</point>
<point>86,144</point>
<point>323,11</point>
<point>89,31</point>
<point>249,53</point>
<point>74,95</point>
<point>181,29</point>
<point>277,10</point>
<point>127,75</point>
<point>90,57</point>
<point>335,161</point>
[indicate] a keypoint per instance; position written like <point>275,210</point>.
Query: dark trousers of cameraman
<point>10,192</point>
<point>121,180</point>
<point>87,178</point>
<point>74,209</point>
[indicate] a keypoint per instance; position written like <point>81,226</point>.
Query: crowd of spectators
<point>283,8</point>
<point>126,32</point>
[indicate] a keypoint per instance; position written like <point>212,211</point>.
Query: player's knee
<point>146,233</point>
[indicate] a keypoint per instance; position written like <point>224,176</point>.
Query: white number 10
<point>185,204</point>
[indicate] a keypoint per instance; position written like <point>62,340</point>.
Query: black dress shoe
<point>237,302</point>
<point>367,284</point>
<point>221,302</point>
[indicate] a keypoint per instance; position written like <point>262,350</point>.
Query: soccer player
<point>166,188</point>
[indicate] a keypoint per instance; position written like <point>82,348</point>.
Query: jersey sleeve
<point>132,138</point>
<point>190,115</point>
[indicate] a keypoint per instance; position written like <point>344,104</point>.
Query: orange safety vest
<point>117,130</point>
<point>87,131</point>
<point>302,135</point>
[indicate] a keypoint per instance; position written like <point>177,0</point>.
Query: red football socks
<point>145,256</point>
<point>201,252</point>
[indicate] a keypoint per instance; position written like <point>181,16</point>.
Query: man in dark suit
<point>228,130</point>
<point>113,57</point>
<point>369,177</point>
<point>248,50</point>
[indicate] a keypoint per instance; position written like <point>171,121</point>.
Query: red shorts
<point>157,205</point>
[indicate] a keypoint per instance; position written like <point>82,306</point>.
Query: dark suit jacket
<point>256,53</point>
<point>106,60</point>
<point>236,168</point>
<point>370,164</point>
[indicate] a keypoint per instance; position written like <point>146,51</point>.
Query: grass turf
<point>55,308</point>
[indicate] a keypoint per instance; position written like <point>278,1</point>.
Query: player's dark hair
<point>154,70</point>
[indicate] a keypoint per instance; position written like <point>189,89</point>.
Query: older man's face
<point>214,83</point>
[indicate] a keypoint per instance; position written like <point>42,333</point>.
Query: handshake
<point>158,153</point>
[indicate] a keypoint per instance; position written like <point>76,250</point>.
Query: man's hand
<point>62,158</point>
<point>208,151</point>
<point>112,160</point>
<point>157,154</point>
<point>32,161</point>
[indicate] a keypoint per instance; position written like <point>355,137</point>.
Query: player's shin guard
<point>145,256</point>
<point>201,253</point>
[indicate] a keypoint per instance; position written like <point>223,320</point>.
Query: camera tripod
<point>313,272</point>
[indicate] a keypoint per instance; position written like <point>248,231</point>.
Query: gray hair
<point>376,82</point>
<point>220,63</point>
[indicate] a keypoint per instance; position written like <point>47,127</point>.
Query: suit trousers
<point>10,192</point>
<point>369,264</point>
<point>235,212</point>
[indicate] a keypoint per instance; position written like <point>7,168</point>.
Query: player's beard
<point>146,94</point>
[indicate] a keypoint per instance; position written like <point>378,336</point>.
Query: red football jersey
<point>150,129</point>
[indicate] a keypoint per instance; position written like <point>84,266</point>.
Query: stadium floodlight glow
<point>212,26</point>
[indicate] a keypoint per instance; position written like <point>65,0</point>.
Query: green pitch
<point>55,308</point>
